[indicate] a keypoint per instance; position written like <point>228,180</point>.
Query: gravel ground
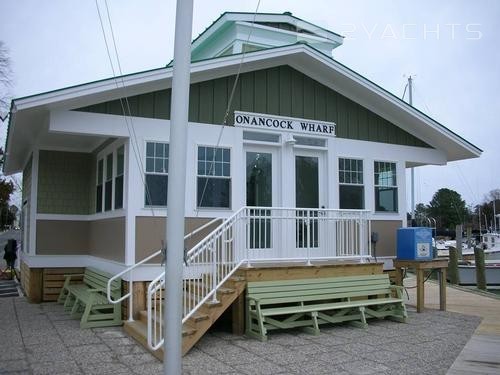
<point>43,339</point>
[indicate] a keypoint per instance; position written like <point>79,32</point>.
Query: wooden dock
<point>481,354</point>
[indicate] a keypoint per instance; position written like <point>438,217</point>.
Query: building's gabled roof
<point>300,56</point>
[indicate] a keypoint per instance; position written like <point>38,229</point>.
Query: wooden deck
<point>300,270</point>
<point>481,354</point>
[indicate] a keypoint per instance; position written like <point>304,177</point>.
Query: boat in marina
<point>490,242</point>
<point>467,273</point>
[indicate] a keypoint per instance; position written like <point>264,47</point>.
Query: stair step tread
<point>141,327</point>
<point>237,278</point>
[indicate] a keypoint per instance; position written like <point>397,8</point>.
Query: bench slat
<point>318,280</point>
<point>276,299</point>
<point>319,291</point>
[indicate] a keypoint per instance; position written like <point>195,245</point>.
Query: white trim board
<point>141,273</point>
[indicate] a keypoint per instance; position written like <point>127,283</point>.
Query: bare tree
<point>5,77</point>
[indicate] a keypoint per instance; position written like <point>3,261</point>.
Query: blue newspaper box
<point>414,243</point>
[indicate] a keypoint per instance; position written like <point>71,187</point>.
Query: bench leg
<point>63,295</point>
<point>69,302</point>
<point>314,330</point>
<point>74,311</point>
<point>84,322</point>
<point>256,331</point>
<point>399,314</point>
<point>362,323</point>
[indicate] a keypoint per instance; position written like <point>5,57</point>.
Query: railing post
<point>308,236</point>
<point>131,299</point>
<point>214,272</point>
<point>248,234</point>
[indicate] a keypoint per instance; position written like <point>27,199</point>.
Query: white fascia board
<point>351,148</point>
<point>285,18</point>
<point>354,77</point>
<point>145,272</point>
<point>113,88</point>
<point>76,122</point>
<point>290,34</point>
<point>93,88</point>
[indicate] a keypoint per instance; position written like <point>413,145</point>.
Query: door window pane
<point>259,193</point>
<point>306,196</point>
<point>259,179</point>
<point>306,182</point>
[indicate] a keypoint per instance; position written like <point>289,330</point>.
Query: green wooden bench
<point>88,299</point>
<point>307,303</point>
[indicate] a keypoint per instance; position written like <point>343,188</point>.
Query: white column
<point>33,201</point>
<point>131,188</point>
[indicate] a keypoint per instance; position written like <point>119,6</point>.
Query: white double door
<point>292,183</point>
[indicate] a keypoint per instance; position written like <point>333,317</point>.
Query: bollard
<point>453,266</point>
<point>480,268</point>
<point>459,240</point>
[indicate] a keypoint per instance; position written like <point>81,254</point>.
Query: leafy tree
<point>421,211</point>
<point>448,207</point>
<point>6,215</point>
<point>5,78</point>
<point>486,208</point>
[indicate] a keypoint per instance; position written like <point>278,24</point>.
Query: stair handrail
<point>190,254</point>
<point>158,283</point>
<point>132,267</point>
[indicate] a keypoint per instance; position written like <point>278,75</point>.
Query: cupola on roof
<point>234,33</point>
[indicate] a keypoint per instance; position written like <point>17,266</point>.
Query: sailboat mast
<point>412,178</point>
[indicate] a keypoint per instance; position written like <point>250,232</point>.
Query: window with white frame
<point>156,174</point>
<point>120,168</point>
<point>386,187</point>
<point>110,180</point>
<point>99,185</point>
<point>108,183</point>
<point>214,177</point>
<point>351,188</point>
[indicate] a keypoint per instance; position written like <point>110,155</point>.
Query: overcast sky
<point>451,47</point>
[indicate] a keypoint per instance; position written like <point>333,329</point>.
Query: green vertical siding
<point>277,91</point>
<point>64,180</point>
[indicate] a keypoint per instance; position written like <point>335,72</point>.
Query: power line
<point>127,115</point>
<point>230,101</point>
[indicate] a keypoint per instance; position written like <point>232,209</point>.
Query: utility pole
<point>172,349</point>
<point>494,214</point>
<point>412,169</point>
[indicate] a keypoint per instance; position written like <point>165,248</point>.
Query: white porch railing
<point>260,234</point>
<point>129,271</point>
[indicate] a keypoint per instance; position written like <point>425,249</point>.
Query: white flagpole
<point>172,358</point>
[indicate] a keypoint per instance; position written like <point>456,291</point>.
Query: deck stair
<point>198,324</point>
<point>211,266</point>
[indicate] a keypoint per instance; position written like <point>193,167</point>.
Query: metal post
<point>172,358</point>
<point>494,214</point>
<point>412,170</point>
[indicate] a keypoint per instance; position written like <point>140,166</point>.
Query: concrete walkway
<point>43,339</point>
<point>481,355</point>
